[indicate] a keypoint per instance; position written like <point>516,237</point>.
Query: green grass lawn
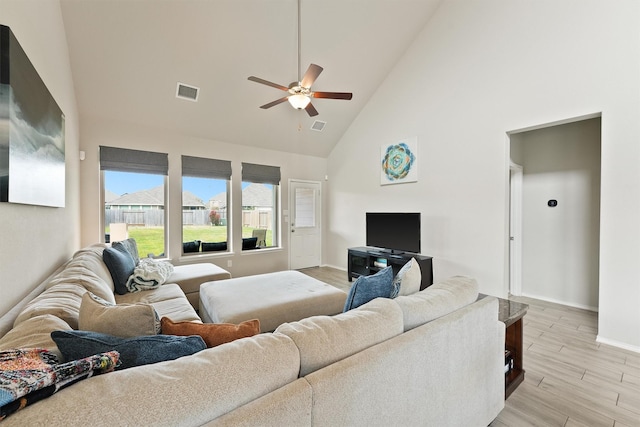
<point>150,240</point>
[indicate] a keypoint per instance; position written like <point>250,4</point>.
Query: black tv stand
<point>362,261</point>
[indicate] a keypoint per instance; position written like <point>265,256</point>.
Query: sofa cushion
<point>90,258</point>
<point>134,351</point>
<point>408,279</point>
<point>190,276</point>
<point>121,266</point>
<point>323,340</point>
<point>87,269</point>
<point>188,391</point>
<point>437,300</point>
<point>122,320</point>
<point>35,333</point>
<point>62,301</point>
<point>366,288</point>
<point>213,334</point>
<point>168,300</point>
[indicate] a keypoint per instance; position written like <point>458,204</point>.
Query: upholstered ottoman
<point>273,298</point>
<point>190,276</point>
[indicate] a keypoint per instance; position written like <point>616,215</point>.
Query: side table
<point>511,314</point>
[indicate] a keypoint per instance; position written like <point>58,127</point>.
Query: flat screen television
<point>394,231</point>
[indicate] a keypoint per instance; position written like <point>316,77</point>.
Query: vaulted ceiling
<point>127,57</point>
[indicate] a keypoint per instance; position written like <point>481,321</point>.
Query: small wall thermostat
<point>552,203</point>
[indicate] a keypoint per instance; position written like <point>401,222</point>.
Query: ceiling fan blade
<point>268,83</point>
<point>311,111</point>
<point>276,102</point>
<point>333,95</point>
<point>311,75</point>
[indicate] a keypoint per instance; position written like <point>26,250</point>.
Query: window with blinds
<point>260,210</point>
<point>205,205</point>
<point>134,197</point>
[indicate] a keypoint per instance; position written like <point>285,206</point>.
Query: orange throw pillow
<point>213,334</point>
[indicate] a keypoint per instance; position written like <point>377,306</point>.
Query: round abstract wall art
<point>399,163</point>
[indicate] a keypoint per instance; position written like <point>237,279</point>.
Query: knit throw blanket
<point>29,375</point>
<point>149,274</point>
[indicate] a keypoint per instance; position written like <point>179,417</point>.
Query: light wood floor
<point>571,380</point>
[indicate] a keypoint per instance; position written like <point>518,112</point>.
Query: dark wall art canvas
<point>32,153</point>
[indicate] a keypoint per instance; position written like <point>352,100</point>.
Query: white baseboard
<point>555,301</point>
<point>334,266</point>
<point>618,344</point>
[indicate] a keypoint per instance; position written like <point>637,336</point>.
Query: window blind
<point>127,160</point>
<point>206,168</point>
<point>261,174</point>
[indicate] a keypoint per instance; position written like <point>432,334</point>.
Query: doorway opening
<point>554,211</point>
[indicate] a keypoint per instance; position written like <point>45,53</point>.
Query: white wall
<point>35,239</point>
<point>117,134</point>
<point>560,245</point>
<point>477,71</point>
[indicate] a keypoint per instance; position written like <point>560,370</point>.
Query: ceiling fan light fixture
<point>299,101</point>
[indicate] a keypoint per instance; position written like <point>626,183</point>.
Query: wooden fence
<point>154,217</point>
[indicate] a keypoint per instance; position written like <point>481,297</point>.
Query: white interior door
<point>305,230</point>
<point>515,230</point>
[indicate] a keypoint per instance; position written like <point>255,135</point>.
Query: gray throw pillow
<point>133,351</point>
<point>132,247</point>
<point>120,320</point>
<point>120,264</point>
<point>367,288</point>
<point>408,279</point>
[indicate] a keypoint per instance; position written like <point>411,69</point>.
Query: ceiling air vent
<point>187,92</point>
<point>318,125</point>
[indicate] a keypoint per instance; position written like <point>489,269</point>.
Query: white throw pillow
<point>408,279</point>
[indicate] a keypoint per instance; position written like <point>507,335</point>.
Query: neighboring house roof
<point>190,199</point>
<point>153,197</point>
<point>219,199</point>
<point>109,196</point>
<point>257,195</point>
<point>253,195</point>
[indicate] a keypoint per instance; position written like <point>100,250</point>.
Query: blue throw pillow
<point>133,351</point>
<point>216,246</point>
<point>367,288</point>
<point>120,264</point>
<point>191,247</point>
<point>249,243</point>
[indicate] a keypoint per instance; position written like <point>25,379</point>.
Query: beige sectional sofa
<point>434,358</point>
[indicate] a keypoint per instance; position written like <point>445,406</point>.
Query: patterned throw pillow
<point>367,288</point>
<point>213,334</point>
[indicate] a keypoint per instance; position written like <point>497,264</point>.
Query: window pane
<point>259,214</point>
<point>204,214</point>
<point>135,202</point>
